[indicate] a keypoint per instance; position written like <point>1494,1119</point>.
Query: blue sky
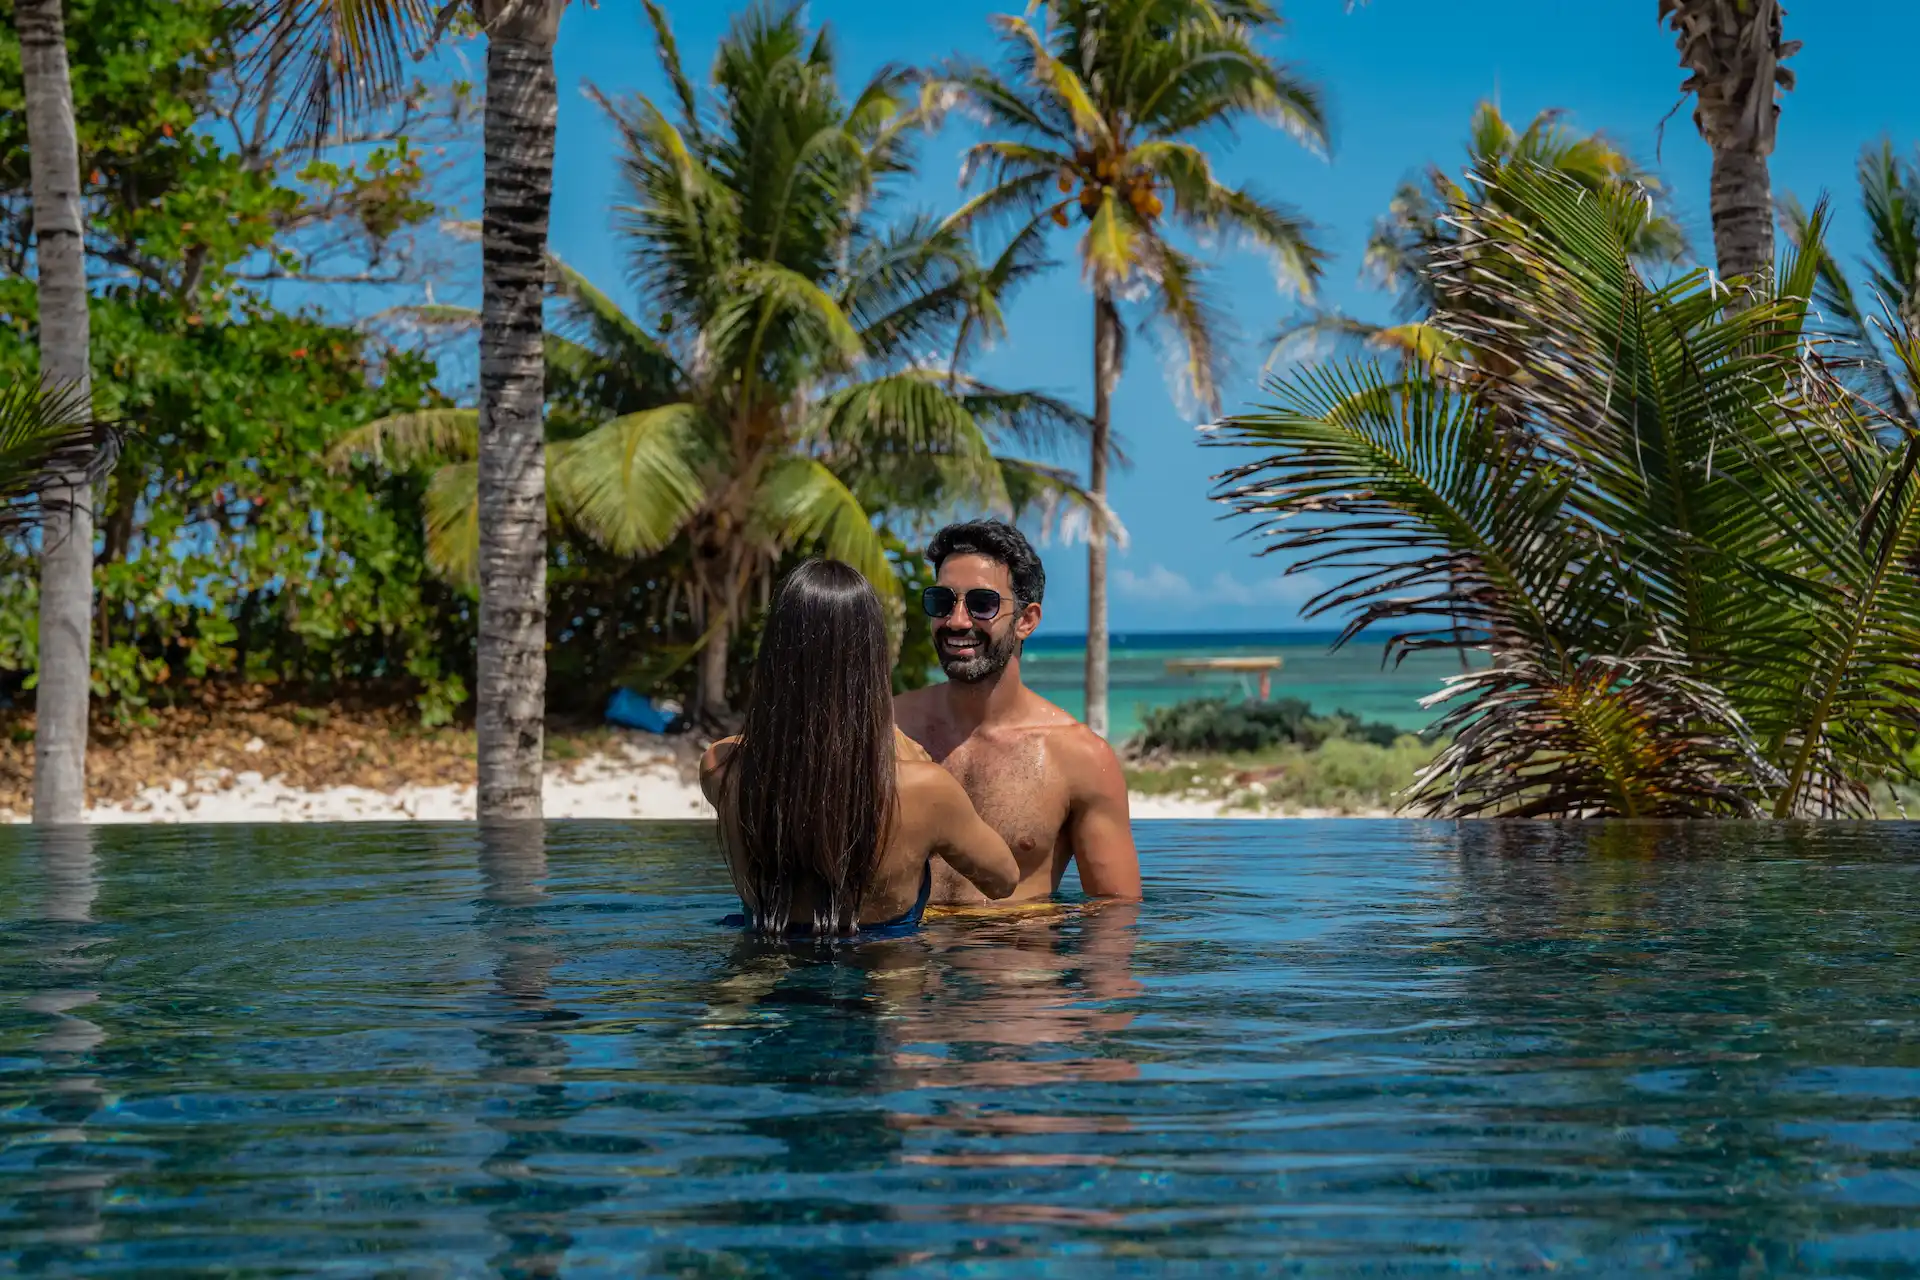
<point>1402,79</point>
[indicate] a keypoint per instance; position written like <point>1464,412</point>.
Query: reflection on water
<point>522,1050</point>
<point>65,1196</point>
<point>1329,1048</point>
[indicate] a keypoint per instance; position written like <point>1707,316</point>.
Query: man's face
<point>970,648</point>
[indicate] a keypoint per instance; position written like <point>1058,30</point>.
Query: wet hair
<point>997,541</point>
<point>812,783</point>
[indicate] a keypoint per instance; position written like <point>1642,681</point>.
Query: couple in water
<point>844,810</point>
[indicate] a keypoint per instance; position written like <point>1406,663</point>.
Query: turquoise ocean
<point>1350,679</point>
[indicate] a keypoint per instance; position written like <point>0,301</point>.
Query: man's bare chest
<point>1014,790</point>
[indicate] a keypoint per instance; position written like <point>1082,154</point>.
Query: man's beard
<point>989,659</point>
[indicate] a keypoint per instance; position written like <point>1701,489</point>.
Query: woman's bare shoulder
<point>713,761</point>
<point>924,785</point>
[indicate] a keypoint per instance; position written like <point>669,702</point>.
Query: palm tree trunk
<point>716,578</point>
<point>66,558</point>
<point>712,694</point>
<point>1734,51</point>
<point>1742,201</point>
<point>1106,373</point>
<point>512,678</point>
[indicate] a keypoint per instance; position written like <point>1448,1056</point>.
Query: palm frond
<point>1632,737</point>
<point>405,440</point>
<point>642,357</point>
<point>913,411</point>
<point>1686,547</point>
<point>1406,486</point>
<point>1184,307</point>
<point>1060,81</point>
<point>805,505</point>
<point>668,50</point>
<point>1056,504</point>
<point>997,104</point>
<point>764,294</point>
<point>633,483</point>
<point>332,58</point>
<point>453,523</point>
<point>49,442</point>
<point>1111,247</point>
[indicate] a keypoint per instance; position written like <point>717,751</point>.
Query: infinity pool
<point>1320,1048</point>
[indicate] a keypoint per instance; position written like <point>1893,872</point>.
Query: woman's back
<point>827,825</point>
<point>932,818</point>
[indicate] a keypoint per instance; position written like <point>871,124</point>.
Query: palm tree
<point>66,558</point>
<point>348,56</point>
<point>1680,538</point>
<point>1735,53</point>
<point>1419,227</point>
<point>1100,112</point>
<point>787,387</point>
<point>1866,327</point>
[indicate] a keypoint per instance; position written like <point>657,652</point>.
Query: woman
<point>828,815</point>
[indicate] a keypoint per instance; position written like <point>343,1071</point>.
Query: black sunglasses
<point>983,603</point>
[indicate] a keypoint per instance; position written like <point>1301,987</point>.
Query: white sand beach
<point>634,782</point>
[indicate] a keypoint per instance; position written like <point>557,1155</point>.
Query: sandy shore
<point>634,782</point>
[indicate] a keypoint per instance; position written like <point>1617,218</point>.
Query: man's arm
<point>1101,828</point>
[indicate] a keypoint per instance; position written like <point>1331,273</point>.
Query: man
<point>1051,787</point>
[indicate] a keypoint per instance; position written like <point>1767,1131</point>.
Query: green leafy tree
<point>223,547</point>
<point>227,549</point>
<point>1098,117</point>
<point>786,397</point>
<point>1682,543</point>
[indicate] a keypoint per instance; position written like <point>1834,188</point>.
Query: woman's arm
<point>963,841</point>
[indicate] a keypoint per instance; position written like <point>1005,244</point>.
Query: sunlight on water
<point>1323,1048</point>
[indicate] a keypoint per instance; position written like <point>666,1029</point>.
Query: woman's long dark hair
<point>812,782</point>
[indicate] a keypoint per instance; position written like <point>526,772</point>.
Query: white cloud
<point>1157,583</point>
<point>1168,587</point>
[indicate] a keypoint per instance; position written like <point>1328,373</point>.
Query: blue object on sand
<point>632,710</point>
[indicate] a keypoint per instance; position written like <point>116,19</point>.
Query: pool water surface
<point>1319,1048</point>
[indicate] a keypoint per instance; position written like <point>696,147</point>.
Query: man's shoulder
<point>1090,746</point>
<point>1079,749</point>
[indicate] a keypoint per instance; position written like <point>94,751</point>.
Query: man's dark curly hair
<point>998,541</point>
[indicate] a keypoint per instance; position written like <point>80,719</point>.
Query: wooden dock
<point>1264,667</point>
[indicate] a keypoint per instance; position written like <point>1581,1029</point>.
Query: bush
<point>1216,726</point>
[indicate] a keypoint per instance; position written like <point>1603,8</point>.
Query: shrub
<point>1215,726</point>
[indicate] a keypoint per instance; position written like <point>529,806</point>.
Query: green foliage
<point>1217,725</point>
<point>185,181</point>
<point>226,546</point>
<point>1685,546</point>
<point>913,668</point>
